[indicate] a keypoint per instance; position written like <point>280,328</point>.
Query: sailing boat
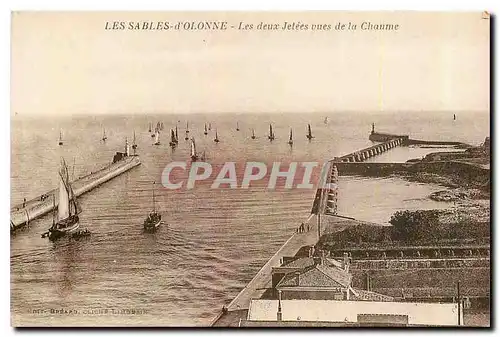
<point>157,137</point>
<point>209,126</point>
<point>216,139</point>
<point>290,140</point>
<point>206,131</point>
<point>271,133</point>
<point>153,221</point>
<point>194,155</point>
<point>326,120</point>
<point>253,133</point>
<point>149,130</point>
<point>454,117</point>
<point>173,141</point>
<point>67,210</point>
<point>134,145</point>
<point>237,126</point>
<point>309,133</point>
<point>187,131</point>
<point>60,138</point>
<point>104,137</point>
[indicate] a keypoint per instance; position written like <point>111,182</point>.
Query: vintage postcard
<point>250,169</point>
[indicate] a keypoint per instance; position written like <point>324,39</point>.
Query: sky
<point>68,63</point>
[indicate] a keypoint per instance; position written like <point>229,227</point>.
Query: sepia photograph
<point>250,169</point>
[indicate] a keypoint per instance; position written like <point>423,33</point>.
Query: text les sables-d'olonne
<point>246,26</point>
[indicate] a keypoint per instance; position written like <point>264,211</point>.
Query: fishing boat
<point>68,208</point>
<point>290,140</point>
<point>104,137</point>
<point>216,139</point>
<point>187,131</point>
<point>206,131</point>
<point>194,154</point>
<point>60,138</point>
<point>237,126</point>
<point>173,141</point>
<point>134,145</point>
<point>271,135</point>
<point>454,117</point>
<point>253,134</point>
<point>153,221</point>
<point>309,133</point>
<point>157,138</point>
<point>326,120</point>
<point>150,127</point>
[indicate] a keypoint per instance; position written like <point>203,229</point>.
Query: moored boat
<point>153,221</point>
<point>68,208</point>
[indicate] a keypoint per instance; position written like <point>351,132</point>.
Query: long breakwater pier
<point>386,142</point>
<point>22,214</point>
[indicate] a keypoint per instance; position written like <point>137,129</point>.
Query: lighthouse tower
<point>127,147</point>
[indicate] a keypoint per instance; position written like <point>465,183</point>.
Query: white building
<point>329,312</point>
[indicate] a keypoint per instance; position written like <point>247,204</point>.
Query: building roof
<point>319,276</point>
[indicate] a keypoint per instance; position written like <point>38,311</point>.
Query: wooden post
<point>459,302</point>
<point>319,226</point>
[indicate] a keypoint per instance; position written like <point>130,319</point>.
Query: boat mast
<point>154,208</point>
<point>53,210</point>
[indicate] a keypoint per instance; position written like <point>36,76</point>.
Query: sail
<point>291,136</point>
<point>205,127</point>
<point>172,136</point>
<point>60,135</point>
<point>134,138</point>
<point>193,148</point>
<point>157,136</point>
<point>63,210</point>
<point>309,130</point>
<point>270,130</point>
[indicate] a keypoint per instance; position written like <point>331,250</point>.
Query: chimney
<point>279,315</point>
<point>297,278</point>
